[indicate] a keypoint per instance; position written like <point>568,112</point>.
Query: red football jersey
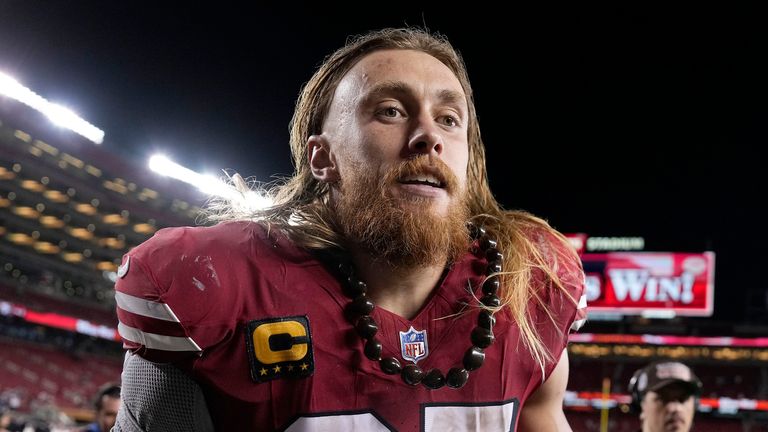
<point>260,325</point>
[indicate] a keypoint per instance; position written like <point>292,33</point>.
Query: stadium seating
<point>39,373</point>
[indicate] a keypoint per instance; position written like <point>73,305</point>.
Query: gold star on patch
<point>304,366</point>
<point>263,371</point>
<point>276,369</point>
<point>290,368</point>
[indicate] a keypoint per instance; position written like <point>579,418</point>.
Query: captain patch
<point>279,348</point>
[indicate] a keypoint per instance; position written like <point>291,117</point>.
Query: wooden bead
<point>456,377</point>
<point>412,374</point>
<point>486,319</point>
<point>491,285</point>
<point>372,349</point>
<point>390,366</point>
<point>482,337</point>
<point>362,305</point>
<point>473,358</point>
<point>491,301</point>
<point>434,379</point>
<point>366,327</point>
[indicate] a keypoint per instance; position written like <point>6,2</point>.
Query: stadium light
<point>208,184</point>
<point>59,115</point>
<point>164,166</point>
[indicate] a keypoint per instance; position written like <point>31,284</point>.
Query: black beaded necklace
<point>359,311</point>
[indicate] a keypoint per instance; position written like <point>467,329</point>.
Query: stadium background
<point>612,123</point>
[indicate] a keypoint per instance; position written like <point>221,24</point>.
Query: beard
<point>403,231</point>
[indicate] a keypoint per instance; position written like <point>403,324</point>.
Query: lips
<point>423,179</point>
<point>673,423</point>
<point>425,174</point>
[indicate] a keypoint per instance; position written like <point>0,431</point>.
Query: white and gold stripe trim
<point>143,307</point>
<point>157,341</point>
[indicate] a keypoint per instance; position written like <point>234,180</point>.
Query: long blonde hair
<point>300,203</point>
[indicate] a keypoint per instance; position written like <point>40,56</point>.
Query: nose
<point>674,406</point>
<point>425,137</point>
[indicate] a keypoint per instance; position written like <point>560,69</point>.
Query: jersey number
<point>434,418</point>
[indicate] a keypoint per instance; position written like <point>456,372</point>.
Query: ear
<point>321,161</point>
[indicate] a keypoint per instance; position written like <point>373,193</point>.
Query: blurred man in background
<point>665,395</point>
<point>107,403</point>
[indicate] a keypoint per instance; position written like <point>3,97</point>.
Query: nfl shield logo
<point>413,344</point>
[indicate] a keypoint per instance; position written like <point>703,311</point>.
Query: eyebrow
<point>451,97</point>
<point>386,88</point>
<point>445,96</point>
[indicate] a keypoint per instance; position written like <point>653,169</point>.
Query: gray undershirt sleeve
<point>159,398</point>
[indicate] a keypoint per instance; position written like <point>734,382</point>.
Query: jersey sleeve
<point>170,304</point>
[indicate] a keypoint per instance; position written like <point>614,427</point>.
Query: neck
<point>400,290</point>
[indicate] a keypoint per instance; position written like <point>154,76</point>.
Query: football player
<point>384,289</point>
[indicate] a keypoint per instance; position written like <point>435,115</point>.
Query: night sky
<point>618,121</point>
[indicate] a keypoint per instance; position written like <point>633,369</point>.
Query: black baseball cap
<point>657,375</point>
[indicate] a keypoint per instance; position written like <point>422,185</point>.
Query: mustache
<point>424,165</point>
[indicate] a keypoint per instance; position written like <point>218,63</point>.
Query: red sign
<point>635,283</point>
<point>578,241</point>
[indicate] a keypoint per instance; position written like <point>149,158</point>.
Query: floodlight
<point>59,115</point>
<point>208,183</point>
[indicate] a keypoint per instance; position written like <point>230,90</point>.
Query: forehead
<point>416,69</point>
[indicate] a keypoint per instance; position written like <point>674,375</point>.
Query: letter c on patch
<point>292,333</point>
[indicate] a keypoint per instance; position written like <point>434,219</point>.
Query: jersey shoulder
<point>561,263</point>
<point>176,292</point>
<point>560,283</point>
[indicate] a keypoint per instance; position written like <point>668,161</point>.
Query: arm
<point>160,397</point>
<point>543,411</point>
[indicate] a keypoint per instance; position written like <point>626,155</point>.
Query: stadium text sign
<point>634,283</point>
<point>584,243</point>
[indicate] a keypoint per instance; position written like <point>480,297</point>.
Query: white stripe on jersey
<point>147,308</point>
<point>581,311</point>
<point>156,341</point>
<point>577,324</point>
<point>582,302</point>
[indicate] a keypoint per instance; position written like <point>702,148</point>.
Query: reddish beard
<point>404,236</point>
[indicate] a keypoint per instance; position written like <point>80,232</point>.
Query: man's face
<point>392,106</point>
<point>106,416</point>
<point>396,134</point>
<point>668,409</point>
